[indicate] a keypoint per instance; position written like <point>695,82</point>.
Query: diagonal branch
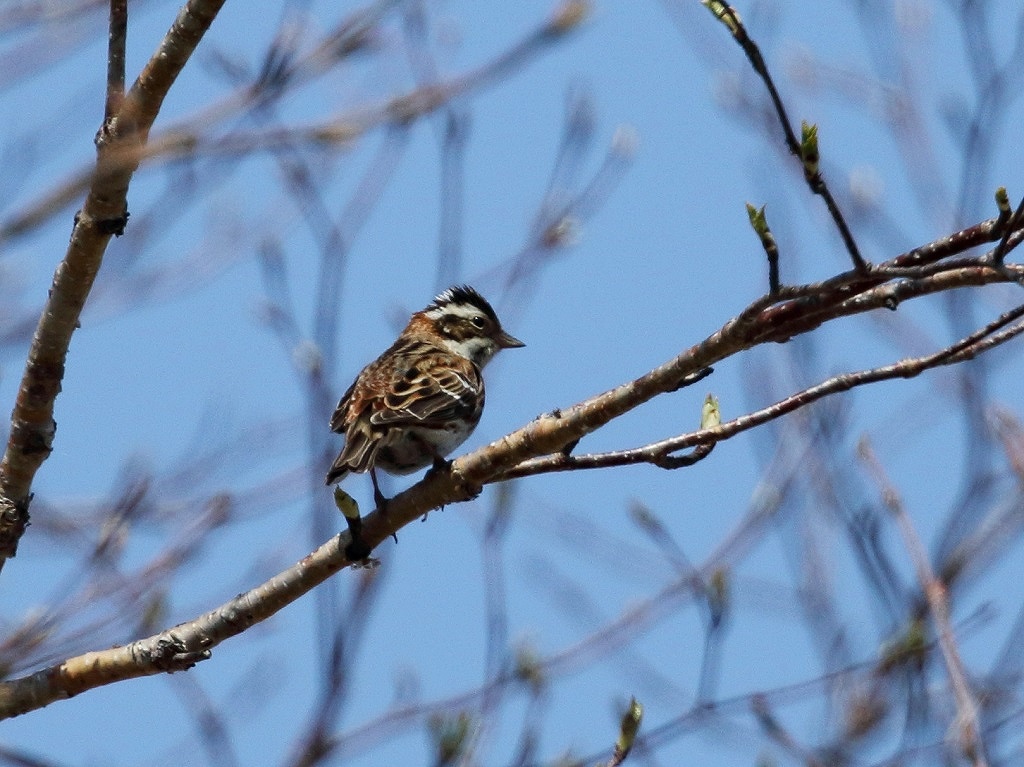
<point>103,215</point>
<point>728,16</point>
<point>661,453</point>
<point>184,645</point>
<point>182,139</point>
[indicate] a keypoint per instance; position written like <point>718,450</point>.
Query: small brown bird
<point>423,397</point>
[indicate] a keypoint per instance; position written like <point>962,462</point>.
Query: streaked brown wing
<point>429,393</point>
<point>339,418</point>
<point>352,418</point>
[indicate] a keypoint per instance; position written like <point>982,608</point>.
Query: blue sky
<point>665,259</point>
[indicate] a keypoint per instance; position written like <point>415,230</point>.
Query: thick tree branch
<point>104,214</point>
<point>661,453</point>
<point>763,321</point>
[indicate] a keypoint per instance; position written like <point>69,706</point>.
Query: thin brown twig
<point>660,453</point>
<point>988,230</point>
<point>785,321</point>
<point>116,44</point>
<point>182,140</point>
<point>358,739</point>
<point>1010,432</point>
<point>814,180</point>
<point>968,724</point>
<point>925,258</point>
<point>778,734</point>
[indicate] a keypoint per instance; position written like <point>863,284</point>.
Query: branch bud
<point>725,13</point>
<point>759,222</point>
<point>569,15</point>
<point>346,504</point>
<point>1003,201</point>
<point>718,595</point>
<point>450,734</point>
<point>809,155</point>
<point>628,729</point>
<point>710,417</point>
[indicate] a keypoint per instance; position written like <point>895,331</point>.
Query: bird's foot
<point>440,464</point>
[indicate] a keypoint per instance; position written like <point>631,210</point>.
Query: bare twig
<point>212,730</point>
<point>759,223</point>
<point>118,40</point>
<point>184,140</point>
<point>1010,432</point>
<point>817,184</point>
<point>660,453</point>
<point>1008,228</point>
<point>777,732</point>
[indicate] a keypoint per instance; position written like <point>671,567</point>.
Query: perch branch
<point>763,321</point>
<point>661,453</point>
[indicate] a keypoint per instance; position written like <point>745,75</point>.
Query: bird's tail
<point>357,455</point>
<point>337,472</point>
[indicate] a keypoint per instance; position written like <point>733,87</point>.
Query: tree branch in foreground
<point>103,215</point>
<point>767,319</point>
<point>661,453</point>
<point>123,144</point>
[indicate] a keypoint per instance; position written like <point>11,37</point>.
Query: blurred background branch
<point>316,172</point>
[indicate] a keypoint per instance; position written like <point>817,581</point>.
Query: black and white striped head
<point>468,325</point>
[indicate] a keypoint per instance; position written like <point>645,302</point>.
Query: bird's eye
<point>478,322</point>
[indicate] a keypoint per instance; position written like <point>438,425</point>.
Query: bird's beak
<point>505,341</point>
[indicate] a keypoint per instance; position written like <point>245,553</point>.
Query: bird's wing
<point>339,419</point>
<point>427,393</point>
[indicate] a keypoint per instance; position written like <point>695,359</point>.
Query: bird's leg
<point>440,463</point>
<point>378,496</point>
<point>443,464</point>
<point>379,499</point>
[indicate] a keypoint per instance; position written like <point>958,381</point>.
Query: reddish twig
<point>661,453</point>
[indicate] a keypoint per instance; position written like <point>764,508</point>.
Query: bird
<point>423,397</point>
